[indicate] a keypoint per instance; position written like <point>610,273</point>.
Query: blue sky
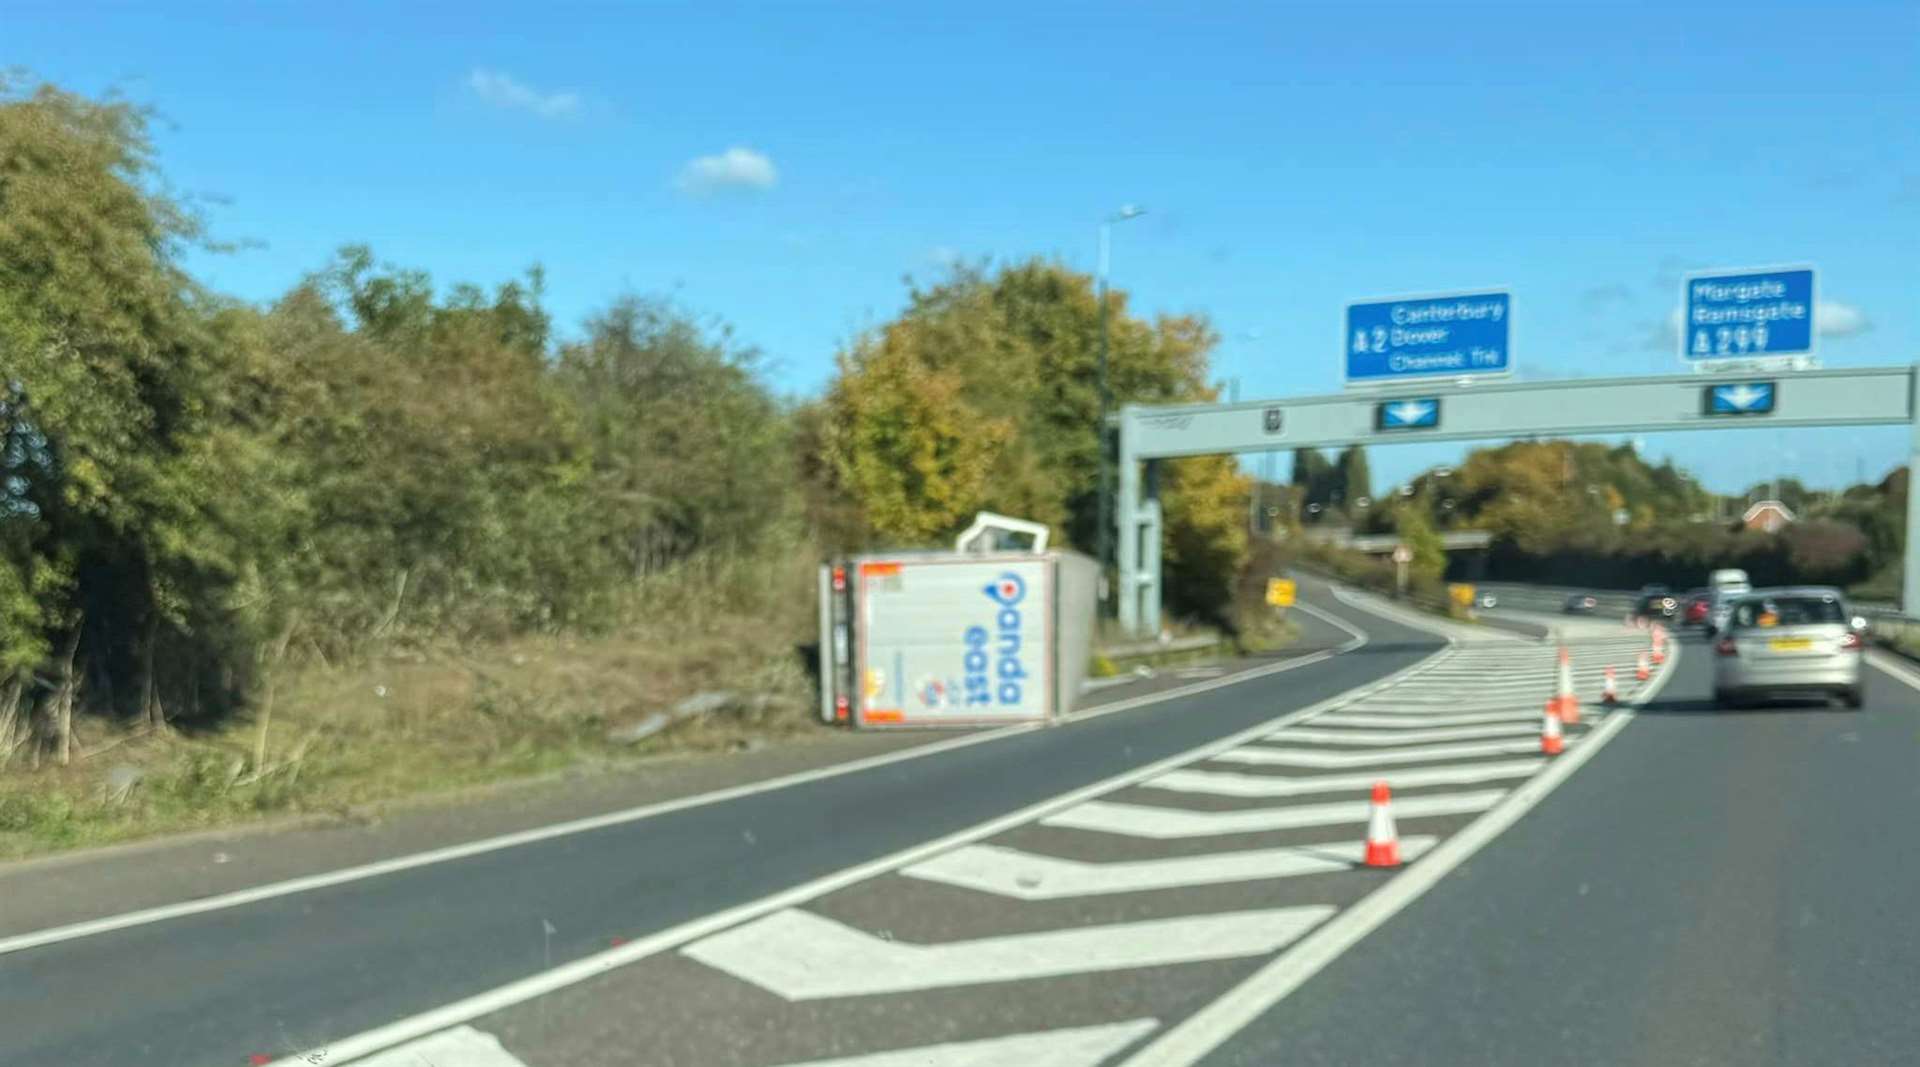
<point>782,166</point>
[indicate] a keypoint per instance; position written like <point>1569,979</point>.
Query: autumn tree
<point>983,394</point>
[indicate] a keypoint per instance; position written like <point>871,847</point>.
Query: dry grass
<point>428,719</point>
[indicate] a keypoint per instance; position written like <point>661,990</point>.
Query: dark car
<point>1580,604</point>
<point>1659,607</point>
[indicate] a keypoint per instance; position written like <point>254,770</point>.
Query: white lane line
<point>1080,1046</point>
<point>1361,718</point>
<point>341,876</point>
<point>536,985</point>
<point>1138,820</point>
<point>462,1046</point>
<point>1210,1027</point>
<point>797,955</point>
<point>1228,784</point>
<point>1894,667</point>
<point>1382,736</point>
<point>1313,757</point>
<point>1021,875</point>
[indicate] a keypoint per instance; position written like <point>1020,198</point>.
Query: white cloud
<point>502,90</point>
<point>943,256</point>
<point>1835,319</point>
<point>736,168</point>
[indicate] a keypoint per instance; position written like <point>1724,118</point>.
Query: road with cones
<point>1447,845</point>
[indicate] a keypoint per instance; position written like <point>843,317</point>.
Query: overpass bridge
<point>1382,544</point>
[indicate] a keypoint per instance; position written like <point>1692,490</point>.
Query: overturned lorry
<point>996,631</point>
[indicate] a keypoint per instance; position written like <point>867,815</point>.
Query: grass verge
<point>341,740</point>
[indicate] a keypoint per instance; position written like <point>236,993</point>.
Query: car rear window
<point>1788,611</point>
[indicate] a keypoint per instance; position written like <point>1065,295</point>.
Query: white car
<point>1782,642</point>
<point>1720,605</point>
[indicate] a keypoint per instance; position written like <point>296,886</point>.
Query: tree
<point>983,394</point>
<point>1418,534</point>
<point>690,451</point>
<point>114,392</point>
<point>1314,480</point>
<point>1355,481</point>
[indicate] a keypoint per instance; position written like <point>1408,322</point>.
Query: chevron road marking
<point>462,1046</point>
<point>1228,784</point>
<point>1410,735</point>
<point>1137,820</point>
<point>1080,1046</point>
<point>798,955</point>
<point>1361,718</point>
<point>1310,757</point>
<point>1026,876</point>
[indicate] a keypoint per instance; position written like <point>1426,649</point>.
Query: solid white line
<point>580,970</point>
<point>1228,784</point>
<point>1382,736</point>
<point>1138,820</point>
<point>462,1046</point>
<point>1080,1046</point>
<point>1317,757</point>
<point>341,876</point>
<point>797,955</point>
<point>1894,667</point>
<point>1021,875</point>
<point>1211,1026</point>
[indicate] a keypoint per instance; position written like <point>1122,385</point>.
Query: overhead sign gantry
<point>1480,410</point>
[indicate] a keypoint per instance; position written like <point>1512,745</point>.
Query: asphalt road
<point>292,972</point>
<point>1714,888</point>
<point>1683,886</point>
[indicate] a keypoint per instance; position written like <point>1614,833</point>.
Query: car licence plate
<point>1791,644</point>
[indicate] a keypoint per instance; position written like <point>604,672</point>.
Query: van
<point>1725,586</point>
<point>1732,580</point>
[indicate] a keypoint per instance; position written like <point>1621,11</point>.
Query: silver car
<point>1720,605</point>
<point>1788,642</point>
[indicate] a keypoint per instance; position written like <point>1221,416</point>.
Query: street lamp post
<point>1105,533</point>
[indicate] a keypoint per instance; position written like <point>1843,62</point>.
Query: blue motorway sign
<point>1430,336</point>
<point>1748,314</point>
<point>1413,413</point>
<point>1741,398</point>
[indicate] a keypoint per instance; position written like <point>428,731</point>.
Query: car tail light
<point>1726,647</point>
<point>1852,640</point>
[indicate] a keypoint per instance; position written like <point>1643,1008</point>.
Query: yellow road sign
<point>1280,592</point>
<point>1461,592</point>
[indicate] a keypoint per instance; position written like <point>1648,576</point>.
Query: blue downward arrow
<point>1409,412</point>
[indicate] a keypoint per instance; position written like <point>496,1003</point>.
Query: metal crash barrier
<point>991,633</point>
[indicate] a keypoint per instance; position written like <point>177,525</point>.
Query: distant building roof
<point>1767,515</point>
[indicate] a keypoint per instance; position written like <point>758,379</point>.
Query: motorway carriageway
<point>1169,883</point>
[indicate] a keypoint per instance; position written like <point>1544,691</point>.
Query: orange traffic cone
<point>1551,741</point>
<point>1608,694</point>
<point>1383,843</point>
<point>1565,705</point>
<point>1640,670</point>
